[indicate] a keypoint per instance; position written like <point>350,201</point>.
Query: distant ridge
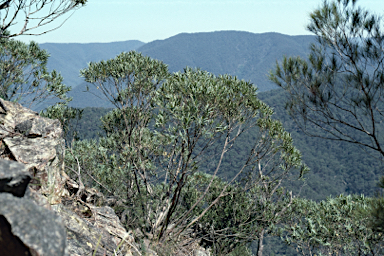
<point>69,58</point>
<point>247,55</point>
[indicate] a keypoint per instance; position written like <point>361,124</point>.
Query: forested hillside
<point>336,167</point>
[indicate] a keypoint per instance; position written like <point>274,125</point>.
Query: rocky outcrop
<point>36,142</point>
<point>100,231</point>
<point>30,148</point>
<point>26,228</point>
<point>44,217</point>
<point>14,178</point>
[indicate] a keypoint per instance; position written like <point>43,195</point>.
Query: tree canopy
<point>163,128</point>
<point>24,77</point>
<point>339,88</point>
<point>23,17</point>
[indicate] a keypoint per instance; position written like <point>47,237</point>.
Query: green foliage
<point>128,78</point>
<point>339,89</point>
<point>239,217</point>
<point>80,153</point>
<point>332,226</point>
<point>163,127</point>
<point>24,77</point>
<point>377,218</point>
<point>90,126</point>
<point>377,210</point>
<point>129,82</point>
<point>224,227</point>
<point>196,108</point>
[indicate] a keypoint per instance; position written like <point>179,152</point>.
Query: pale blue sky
<point>148,20</point>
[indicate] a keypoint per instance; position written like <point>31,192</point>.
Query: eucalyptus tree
<point>23,74</point>
<point>339,89</point>
<point>24,77</point>
<point>129,82</point>
<point>199,112</point>
<point>29,17</point>
<point>241,216</point>
<point>164,127</point>
<point>335,226</point>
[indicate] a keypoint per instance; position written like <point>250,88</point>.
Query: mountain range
<point>248,56</point>
<point>69,58</point>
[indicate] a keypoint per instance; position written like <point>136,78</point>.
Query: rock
<point>94,228</point>
<point>200,252</point>
<point>36,142</point>
<point>27,225</point>
<point>28,228</point>
<point>12,114</point>
<point>34,152</point>
<point>34,148</point>
<point>14,178</point>
<point>39,127</point>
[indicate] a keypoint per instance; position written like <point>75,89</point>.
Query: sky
<point>149,20</point>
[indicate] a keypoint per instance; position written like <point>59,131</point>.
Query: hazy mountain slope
<point>246,55</point>
<point>70,58</point>
<point>336,167</point>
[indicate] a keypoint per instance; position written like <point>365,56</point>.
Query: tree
<point>335,226</point>
<point>164,127</point>
<point>23,73</point>
<point>24,77</point>
<point>241,216</point>
<point>32,15</point>
<point>339,89</point>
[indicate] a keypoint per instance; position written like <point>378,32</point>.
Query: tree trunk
<point>261,246</point>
